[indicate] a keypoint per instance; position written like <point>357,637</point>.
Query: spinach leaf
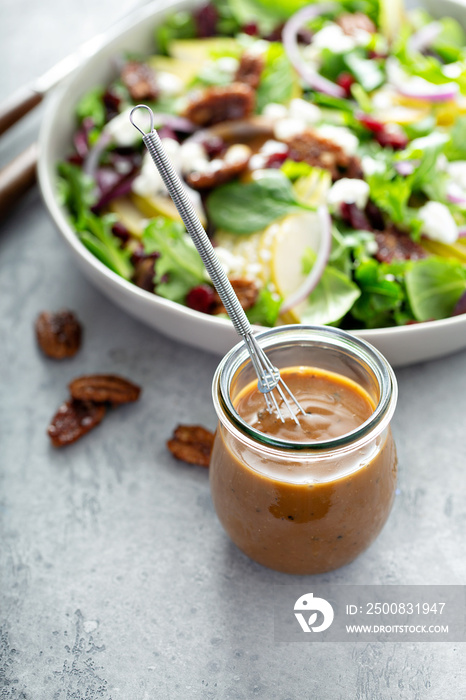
<point>265,310</point>
<point>332,298</point>
<point>245,208</point>
<point>434,286</point>
<point>381,294</point>
<point>276,83</point>
<point>179,267</point>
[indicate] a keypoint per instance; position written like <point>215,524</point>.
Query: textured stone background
<point>116,580</point>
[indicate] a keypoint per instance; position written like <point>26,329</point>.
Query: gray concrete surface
<point>116,579</point>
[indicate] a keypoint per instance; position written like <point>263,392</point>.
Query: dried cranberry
<point>201,298</point>
<point>112,101</point>
<point>250,28</point>
<point>166,132</point>
<point>371,123</point>
<point>345,81</point>
<point>206,19</point>
<point>213,146</point>
<point>354,217</point>
<point>375,216</point>
<point>276,160</point>
<point>376,54</point>
<point>120,231</point>
<point>275,34</point>
<point>392,138</point>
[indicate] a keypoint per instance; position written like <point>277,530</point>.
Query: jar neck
<point>290,346</point>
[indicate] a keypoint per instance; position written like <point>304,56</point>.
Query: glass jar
<point>304,508</point>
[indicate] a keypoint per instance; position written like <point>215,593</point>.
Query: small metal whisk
<point>268,376</point>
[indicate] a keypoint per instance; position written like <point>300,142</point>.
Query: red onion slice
<point>462,232</point>
<point>455,194</point>
<point>290,42</point>
<point>429,91</point>
<point>406,167</point>
<point>323,254</point>
<point>91,162</point>
<point>423,38</point>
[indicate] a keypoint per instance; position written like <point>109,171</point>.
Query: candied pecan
<point>104,388</point>
<point>192,443</point>
<point>144,271</point>
<point>234,162</point>
<point>73,420</point>
<point>250,70</point>
<point>393,244</point>
<point>140,80</point>
<point>352,23</point>
<point>246,291</point>
<point>323,153</point>
<point>58,334</point>
<point>218,104</point>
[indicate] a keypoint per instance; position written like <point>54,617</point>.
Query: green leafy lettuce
<point>179,267</point>
<point>434,287</point>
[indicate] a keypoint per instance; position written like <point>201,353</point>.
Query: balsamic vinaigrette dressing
<point>334,406</point>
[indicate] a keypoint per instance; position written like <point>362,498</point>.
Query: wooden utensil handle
<point>17,177</point>
<point>16,106</point>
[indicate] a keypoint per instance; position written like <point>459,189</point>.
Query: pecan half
<point>104,388</point>
<point>250,70</point>
<point>393,244</point>
<point>192,443</point>
<point>323,153</point>
<point>73,420</point>
<point>144,272</point>
<point>353,22</point>
<point>58,334</point>
<point>218,104</point>
<point>220,170</point>
<point>140,80</point>
<point>246,291</point>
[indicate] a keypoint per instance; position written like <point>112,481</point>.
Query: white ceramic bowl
<point>401,345</point>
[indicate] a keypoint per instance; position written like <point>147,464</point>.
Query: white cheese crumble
<point>348,191</point>
<point>122,131</point>
<point>457,172</point>
<point>169,84</point>
<point>237,153</point>
<point>287,128</point>
<point>370,166</point>
<point>274,110</point>
<point>301,109</point>
<point>341,136</point>
<point>438,223</point>
<point>228,64</point>
<point>149,182</point>
<point>193,157</point>
<point>333,37</point>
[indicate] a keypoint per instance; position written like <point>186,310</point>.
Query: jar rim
<point>238,357</point>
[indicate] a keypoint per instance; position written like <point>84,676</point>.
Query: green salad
<point>323,147</point>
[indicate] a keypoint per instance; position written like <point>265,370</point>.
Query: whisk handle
<point>199,237</point>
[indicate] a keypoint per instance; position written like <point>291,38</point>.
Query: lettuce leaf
<point>179,267</point>
<point>434,286</point>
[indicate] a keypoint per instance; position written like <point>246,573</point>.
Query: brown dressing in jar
<point>304,511</point>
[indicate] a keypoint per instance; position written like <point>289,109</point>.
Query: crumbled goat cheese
<point>438,223</point>
<point>333,37</point>
<point>341,136</point>
<point>169,84</point>
<point>348,191</point>
<point>149,182</point>
<point>274,110</point>
<point>287,128</point>
<point>301,109</point>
